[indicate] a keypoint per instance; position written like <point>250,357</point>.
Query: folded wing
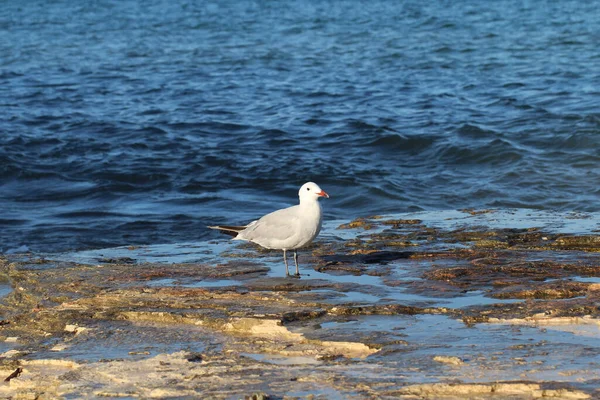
<point>274,228</point>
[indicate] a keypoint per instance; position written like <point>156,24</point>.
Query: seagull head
<point>311,190</point>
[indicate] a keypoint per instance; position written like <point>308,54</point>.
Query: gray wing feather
<point>278,225</point>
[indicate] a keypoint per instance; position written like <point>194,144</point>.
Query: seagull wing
<point>275,227</point>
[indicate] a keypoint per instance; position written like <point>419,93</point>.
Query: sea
<point>135,122</point>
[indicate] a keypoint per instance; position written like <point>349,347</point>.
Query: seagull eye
<point>308,189</point>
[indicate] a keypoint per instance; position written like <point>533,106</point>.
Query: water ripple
<point>121,127</point>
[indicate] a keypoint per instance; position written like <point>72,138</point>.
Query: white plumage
<point>288,229</point>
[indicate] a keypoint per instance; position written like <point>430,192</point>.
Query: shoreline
<point>498,303</point>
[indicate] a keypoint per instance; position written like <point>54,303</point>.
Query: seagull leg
<point>296,262</point>
<point>287,271</point>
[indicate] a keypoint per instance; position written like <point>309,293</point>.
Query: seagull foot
<point>295,276</point>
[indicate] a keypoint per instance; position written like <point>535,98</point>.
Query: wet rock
<point>388,309</point>
<point>195,357</point>
<point>120,260</point>
<point>368,257</point>
<point>10,354</point>
<point>75,329</point>
<point>363,323</point>
<point>357,223</point>
<point>257,396</point>
<point>583,242</point>
<point>402,222</point>
<point>302,315</point>
<point>450,360</point>
<point>559,290</point>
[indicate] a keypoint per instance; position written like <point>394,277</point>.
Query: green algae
<point>362,223</point>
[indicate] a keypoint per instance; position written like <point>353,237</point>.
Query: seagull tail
<point>229,230</point>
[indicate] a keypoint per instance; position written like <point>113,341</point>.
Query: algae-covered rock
<point>380,308</point>
<point>583,242</point>
<point>362,223</point>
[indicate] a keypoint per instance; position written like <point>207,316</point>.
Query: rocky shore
<point>442,305</point>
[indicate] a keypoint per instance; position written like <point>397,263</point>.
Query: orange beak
<point>322,193</point>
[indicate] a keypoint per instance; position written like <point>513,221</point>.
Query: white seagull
<point>288,229</point>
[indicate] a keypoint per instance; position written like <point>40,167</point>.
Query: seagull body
<point>288,229</point>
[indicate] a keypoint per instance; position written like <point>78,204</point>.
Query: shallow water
<point>556,222</point>
<point>219,251</point>
<point>208,283</point>
<point>488,351</point>
<point>4,289</point>
<point>281,360</point>
<point>130,341</point>
<point>400,285</point>
<point>140,123</point>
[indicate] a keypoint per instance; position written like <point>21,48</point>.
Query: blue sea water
<point>134,122</point>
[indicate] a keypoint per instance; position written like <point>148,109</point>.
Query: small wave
<point>152,130</point>
<point>513,85</point>
<point>473,131</point>
<point>199,197</point>
<point>317,121</point>
<point>87,214</point>
<point>580,141</point>
<point>269,133</point>
<point>12,221</point>
<point>493,152</point>
<point>362,126</point>
<point>152,111</point>
<point>397,142</point>
<point>139,225</point>
<point>135,178</point>
<point>10,75</point>
<point>323,94</point>
<point>18,250</point>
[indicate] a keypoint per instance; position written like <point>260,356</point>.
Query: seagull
<point>287,229</point>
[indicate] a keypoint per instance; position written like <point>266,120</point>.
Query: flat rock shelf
<point>498,304</point>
